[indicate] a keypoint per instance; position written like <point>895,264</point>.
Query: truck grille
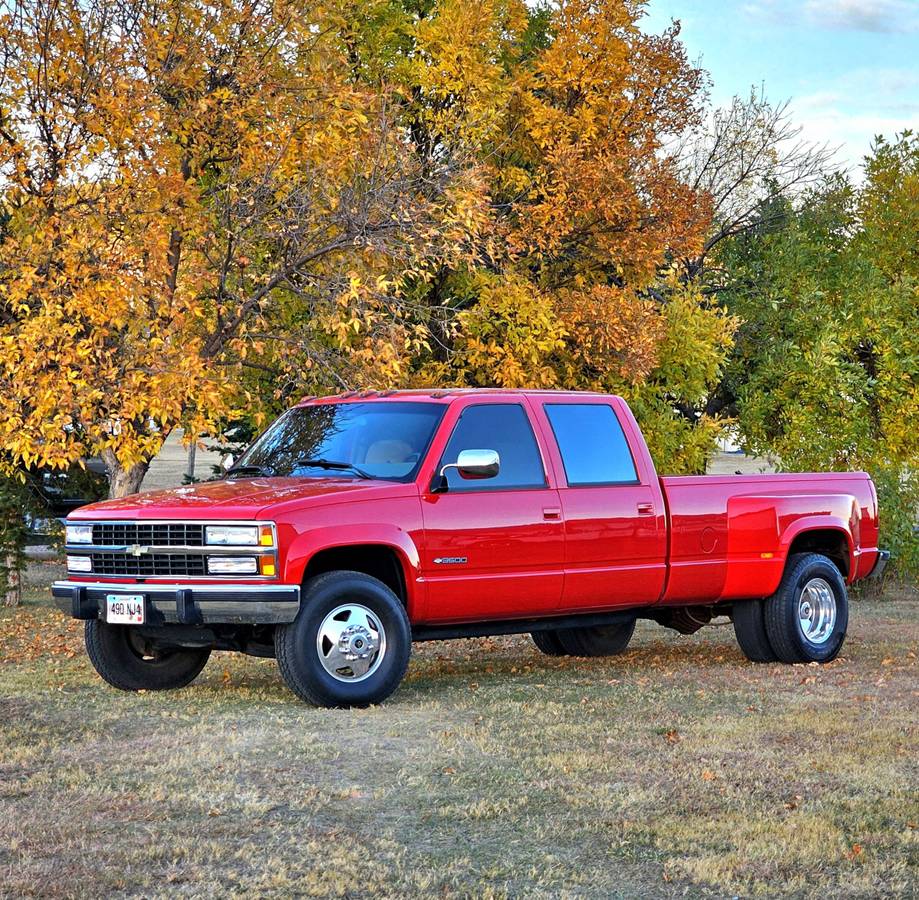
<point>160,534</point>
<point>150,565</point>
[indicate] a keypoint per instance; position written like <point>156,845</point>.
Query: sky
<point>850,68</point>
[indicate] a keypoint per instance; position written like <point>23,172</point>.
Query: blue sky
<point>849,67</point>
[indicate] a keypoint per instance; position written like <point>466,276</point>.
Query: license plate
<point>124,609</point>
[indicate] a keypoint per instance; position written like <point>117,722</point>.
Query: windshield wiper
<point>251,470</point>
<point>333,464</point>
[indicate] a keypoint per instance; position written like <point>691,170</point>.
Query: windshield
<point>380,440</point>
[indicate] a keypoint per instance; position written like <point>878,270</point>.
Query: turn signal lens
<point>265,537</point>
<point>268,566</point>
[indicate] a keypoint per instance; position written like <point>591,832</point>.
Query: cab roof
<point>444,395</point>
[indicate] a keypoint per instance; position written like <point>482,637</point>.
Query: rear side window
<point>505,428</point>
<point>594,449</point>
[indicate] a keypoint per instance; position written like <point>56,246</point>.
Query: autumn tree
<point>12,540</point>
<point>208,208</point>
<point>169,171</point>
<point>588,206</point>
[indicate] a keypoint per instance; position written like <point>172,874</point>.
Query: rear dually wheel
<point>808,616</point>
<point>750,631</point>
<point>596,640</point>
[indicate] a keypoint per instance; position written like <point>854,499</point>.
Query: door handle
<point>552,513</point>
<point>646,509</point>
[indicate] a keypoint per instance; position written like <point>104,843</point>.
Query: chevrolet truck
<point>359,523</point>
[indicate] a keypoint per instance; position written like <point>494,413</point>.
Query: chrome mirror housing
<point>473,464</point>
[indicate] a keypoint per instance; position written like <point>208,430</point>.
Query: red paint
<point>542,551</point>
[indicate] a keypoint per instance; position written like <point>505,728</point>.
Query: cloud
<point>858,106</point>
<point>773,12</point>
<point>885,16</point>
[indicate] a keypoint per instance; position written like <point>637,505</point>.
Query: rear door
<point>615,522</point>
<point>493,548</point>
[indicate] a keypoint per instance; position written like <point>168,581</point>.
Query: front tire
<point>349,645</point>
<point>121,655</point>
<point>807,617</point>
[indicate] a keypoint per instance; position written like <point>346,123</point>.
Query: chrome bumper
<point>186,604</point>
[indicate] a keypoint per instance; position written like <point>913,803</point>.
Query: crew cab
<point>359,523</point>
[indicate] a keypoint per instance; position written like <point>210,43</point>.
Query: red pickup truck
<point>359,523</point>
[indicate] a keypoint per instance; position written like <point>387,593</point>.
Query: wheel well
<point>375,560</point>
<point>829,542</point>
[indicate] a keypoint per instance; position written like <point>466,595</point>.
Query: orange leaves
<point>616,332</point>
<point>854,852</point>
<point>259,199</point>
<point>158,180</point>
<point>596,110</point>
<point>33,633</point>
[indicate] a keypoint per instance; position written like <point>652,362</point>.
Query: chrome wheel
<point>817,610</point>
<point>351,643</point>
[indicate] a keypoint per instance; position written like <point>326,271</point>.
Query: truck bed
<point>727,532</point>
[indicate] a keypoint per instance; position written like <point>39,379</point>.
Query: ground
<point>675,769</point>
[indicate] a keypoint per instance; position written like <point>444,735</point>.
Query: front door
<point>493,548</point>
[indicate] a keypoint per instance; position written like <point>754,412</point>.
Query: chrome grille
<point>159,534</point>
<point>150,565</point>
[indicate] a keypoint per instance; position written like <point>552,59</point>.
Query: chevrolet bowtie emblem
<point>136,550</point>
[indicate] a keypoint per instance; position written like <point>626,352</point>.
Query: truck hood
<point>239,498</point>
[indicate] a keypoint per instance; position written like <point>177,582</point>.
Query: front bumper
<point>186,604</point>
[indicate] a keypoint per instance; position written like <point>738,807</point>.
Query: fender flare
<point>308,543</point>
<point>820,523</point>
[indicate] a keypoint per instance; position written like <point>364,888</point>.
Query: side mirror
<point>473,465</point>
<point>477,464</point>
<point>227,462</point>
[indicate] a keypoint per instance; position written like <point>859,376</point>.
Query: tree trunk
<point>123,480</point>
<point>13,594</point>
<point>192,450</point>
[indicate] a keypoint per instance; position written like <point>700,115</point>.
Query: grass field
<point>676,769</point>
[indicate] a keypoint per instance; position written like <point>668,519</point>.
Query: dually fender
<point>762,529</point>
<point>825,523</point>
<point>315,540</point>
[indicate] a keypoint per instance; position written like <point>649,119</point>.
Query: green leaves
<point>826,366</point>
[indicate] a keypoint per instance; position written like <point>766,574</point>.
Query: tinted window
<point>502,427</point>
<point>386,440</point>
<point>593,447</point>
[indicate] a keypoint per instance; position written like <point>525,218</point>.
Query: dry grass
<point>678,768</point>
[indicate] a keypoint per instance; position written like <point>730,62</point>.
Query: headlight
<point>232,565</point>
<point>231,535</point>
<point>79,534</point>
<point>79,564</point>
